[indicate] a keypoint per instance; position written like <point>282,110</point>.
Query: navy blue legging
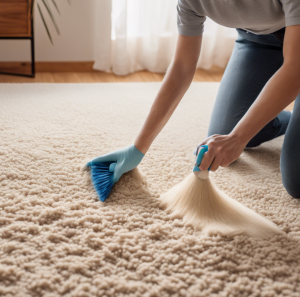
<point>254,60</point>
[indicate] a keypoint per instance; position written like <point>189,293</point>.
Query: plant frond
<point>55,5</point>
<point>46,27</point>
<point>51,15</point>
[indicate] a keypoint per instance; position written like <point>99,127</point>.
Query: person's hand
<point>123,160</point>
<point>222,151</point>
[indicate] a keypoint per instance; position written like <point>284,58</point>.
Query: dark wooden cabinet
<point>16,22</point>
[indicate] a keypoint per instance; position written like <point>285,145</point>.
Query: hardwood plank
<point>93,76</point>
<point>66,77</point>
<point>213,75</point>
<point>102,77</point>
<point>44,77</point>
<point>60,74</point>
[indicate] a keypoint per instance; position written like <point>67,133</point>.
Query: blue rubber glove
<point>123,160</point>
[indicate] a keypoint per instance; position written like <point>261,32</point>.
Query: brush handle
<point>203,150</point>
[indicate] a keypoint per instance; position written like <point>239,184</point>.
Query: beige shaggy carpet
<point>57,239</point>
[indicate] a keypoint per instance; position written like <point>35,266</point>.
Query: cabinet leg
<point>32,57</point>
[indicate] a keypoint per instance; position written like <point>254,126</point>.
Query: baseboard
<point>24,67</point>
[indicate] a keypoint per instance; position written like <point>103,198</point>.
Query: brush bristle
<point>102,179</point>
<point>206,208</point>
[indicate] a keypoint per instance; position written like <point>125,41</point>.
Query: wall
<point>75,43</point>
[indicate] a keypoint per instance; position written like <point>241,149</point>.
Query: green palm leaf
<point>51,15</point>
<point>48,8</point>
<point>55,5</point>
<point>43,19</point>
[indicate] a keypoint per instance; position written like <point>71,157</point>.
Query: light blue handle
<point>203,150</point>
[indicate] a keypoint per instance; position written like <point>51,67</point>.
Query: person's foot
<point>280,124</point>
<point>284,118</point>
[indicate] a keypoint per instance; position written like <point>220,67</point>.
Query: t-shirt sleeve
<point>291,10</point>
<point>189,23</point>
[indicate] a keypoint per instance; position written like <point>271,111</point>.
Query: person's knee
<point>218,129</point>
<point>295,193</point>
<point>292,184</point>
<point>254,142</point>
<point>290,166</point>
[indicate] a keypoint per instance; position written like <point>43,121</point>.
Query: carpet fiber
<point>57,239</point>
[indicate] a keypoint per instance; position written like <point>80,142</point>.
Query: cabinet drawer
<point>14,18</point>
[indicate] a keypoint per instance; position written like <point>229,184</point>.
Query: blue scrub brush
<point>106,170</point>
<point>102,178</point>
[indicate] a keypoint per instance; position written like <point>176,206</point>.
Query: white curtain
<point>134,35</point>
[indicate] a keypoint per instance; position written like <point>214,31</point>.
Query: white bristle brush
<point>197,200</point>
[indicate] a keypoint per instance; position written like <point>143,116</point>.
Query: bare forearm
<point>278,93</point>
<point>176,81</point>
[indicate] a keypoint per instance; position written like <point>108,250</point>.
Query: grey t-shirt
<point>256,16</point>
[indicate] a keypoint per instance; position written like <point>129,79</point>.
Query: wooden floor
<point>215,75</point>
<point>83,73</point>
